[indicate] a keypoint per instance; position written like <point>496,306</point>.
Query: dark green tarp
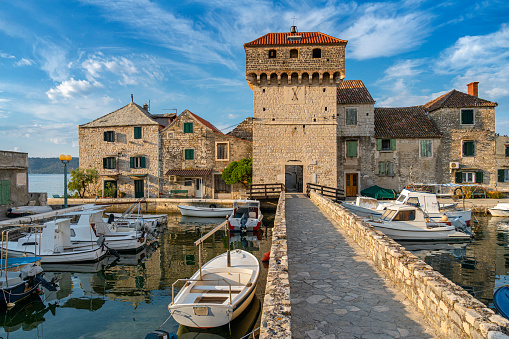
<point>378,192</point>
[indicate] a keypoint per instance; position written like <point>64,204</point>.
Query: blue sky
<point>65,63</point>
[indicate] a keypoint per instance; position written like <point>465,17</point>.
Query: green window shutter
<point>393,144</point>
<point>467,117</point>
<point>131,162</point>
<point>5,192</point>
<point>105,136</point>
<point>137,132</point>
<point>381,168</point>
<point>351,148</point>
<point>142,162</point>
<point>501,176</point>
<point>189,154</point>
<point>114,163</point>
<point>459,177</point>
<point>468,148</point>
<point>479,176</point>
<point>188,127</point>
<point>105,162</point>
<point>378,144</point>
<point>507,151</point>
<point>112,136</point>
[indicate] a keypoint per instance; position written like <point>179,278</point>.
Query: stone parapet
<point>276,314</point>
<point>449,307</point>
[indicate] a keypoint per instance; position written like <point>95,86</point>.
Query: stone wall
<point>13,170</point>
<point>276,318</point>
<point>455,312</point>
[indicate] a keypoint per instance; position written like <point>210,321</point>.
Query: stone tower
<point>294,77</point>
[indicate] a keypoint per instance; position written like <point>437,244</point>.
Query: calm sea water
<point>49,183</point>
<point>129,297</point>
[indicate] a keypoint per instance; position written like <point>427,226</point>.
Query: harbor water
<point>53,184</point>
<point>128,297</point>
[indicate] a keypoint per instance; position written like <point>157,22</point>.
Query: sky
<point>65,63</point>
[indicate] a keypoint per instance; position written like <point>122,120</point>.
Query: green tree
<point>239,171</point>
<point>83,181</point>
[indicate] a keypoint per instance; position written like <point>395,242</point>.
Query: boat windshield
<point>388,214</point>
<point>401,198</point>
<point>405,216</point>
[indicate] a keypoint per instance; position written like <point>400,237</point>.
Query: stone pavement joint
<point>336,291</point>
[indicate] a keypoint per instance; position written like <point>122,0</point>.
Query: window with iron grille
<point>351,116</point>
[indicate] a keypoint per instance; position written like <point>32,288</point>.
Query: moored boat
<point>21,211</point>
<point>246,216</point>
<point>501,300</point>
<point>205,212</point>
<point>219,291</point>
<point>500,210</point>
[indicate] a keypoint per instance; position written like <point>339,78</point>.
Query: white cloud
<point>53,59</point>
<point>6,56</point>
<point>24,62</point>
<point>405,68</point>
<point>401,95</point>
<point>71,88</point>
<point>378,32</point>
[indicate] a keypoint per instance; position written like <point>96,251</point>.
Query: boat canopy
<point>378,192</point>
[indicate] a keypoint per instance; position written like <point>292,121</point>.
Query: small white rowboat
<point>205,212</point>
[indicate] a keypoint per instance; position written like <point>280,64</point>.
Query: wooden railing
<point>330,192</point>
<point>265,191</point>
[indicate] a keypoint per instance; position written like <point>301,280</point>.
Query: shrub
<point>494,195</point>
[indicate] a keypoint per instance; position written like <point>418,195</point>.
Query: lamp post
<point>65,160</point>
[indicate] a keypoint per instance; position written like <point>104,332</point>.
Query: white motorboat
<point>205,212</point>
<point>403,222</point>
<point>88,226</point>
<point>219,291</point>
<point>21,211</point>
<point>54,245</point>
<point>501,210</point>
<point>246,216</point>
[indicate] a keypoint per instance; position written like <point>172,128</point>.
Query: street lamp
<point>65,159</point>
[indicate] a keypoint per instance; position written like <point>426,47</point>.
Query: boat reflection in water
<point>28,314</point>
<point>239,327</point>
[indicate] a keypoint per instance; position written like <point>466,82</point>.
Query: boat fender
<point>266,256</point>
<point>160,334</point>
<point>212,206</point>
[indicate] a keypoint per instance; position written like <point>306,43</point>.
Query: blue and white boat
<point>501,300</point>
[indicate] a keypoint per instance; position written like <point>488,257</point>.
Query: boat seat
<point>215,288</point>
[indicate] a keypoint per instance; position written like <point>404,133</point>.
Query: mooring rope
<point>171,314</point>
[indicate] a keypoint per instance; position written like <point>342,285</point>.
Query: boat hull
<point>501,301</point>
<point>91,255</point>
<point>204,212</point>
<point>498,212</point>
<point>433,234</point>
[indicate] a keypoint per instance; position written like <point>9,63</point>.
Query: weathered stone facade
<point>13,180</point>
<point>502,163</point>
<point>212,151</point>
<point>132,157</point>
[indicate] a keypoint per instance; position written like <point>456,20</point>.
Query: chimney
<point>473,88</point>
<point>145,107</point>
<point>131,98</point>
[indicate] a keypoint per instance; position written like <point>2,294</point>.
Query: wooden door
<point>352,186</point>
<point>139,189</point>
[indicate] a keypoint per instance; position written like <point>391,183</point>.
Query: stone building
<point>124,147</point>
<point>312,126</point>
<point>193,155</point>
<point>13,180</point>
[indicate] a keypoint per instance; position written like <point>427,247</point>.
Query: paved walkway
<point>336,292</point>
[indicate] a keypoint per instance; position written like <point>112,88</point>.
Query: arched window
<point>317,53</point>
<point>272,53</point>
<point>294,53</point>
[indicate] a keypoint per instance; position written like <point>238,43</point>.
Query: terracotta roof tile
<point>353,92</point>
<point>306,38</point>
<point>206,123</point>
<point>404,122</point>
<point>457,99</point>
<point>189,172</point>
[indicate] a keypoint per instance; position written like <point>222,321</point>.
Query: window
<point>503,175</point>
<point>294,53</point>
<point>351,116</point>
<point>110,163</point>
<point>189,154</point>
<point>188,127</point>
<point>405,216</point>
<point>5,192</point>
<point>426,148</point>
<point>507,150</point>
<point>386,168</point>
<point>188,182</point>
<point>317,53</point>
<point>467,116</point>
<point>468,148</point>
<point>351,148</point>
<point>220,186</point>
<point>272,54</point>
<point>109,136</point>
<point>137,133</point>
<point>137,162</point>
<point>385,144</point>
<point>470,177</point>
<point>222,151</point>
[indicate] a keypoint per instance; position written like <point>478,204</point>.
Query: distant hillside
<point>50,165</point>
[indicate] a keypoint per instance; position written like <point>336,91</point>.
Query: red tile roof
<point>189,172</point>
<point>206,123</point>
<point>404,122</point>
<point>353,92</point>
<point>306,38</point>
<point>457,99</point>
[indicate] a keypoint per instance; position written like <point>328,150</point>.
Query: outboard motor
<point>243,221</point>
<point>160,334</point>
<point>461,226</point>
<point>111,218</point>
